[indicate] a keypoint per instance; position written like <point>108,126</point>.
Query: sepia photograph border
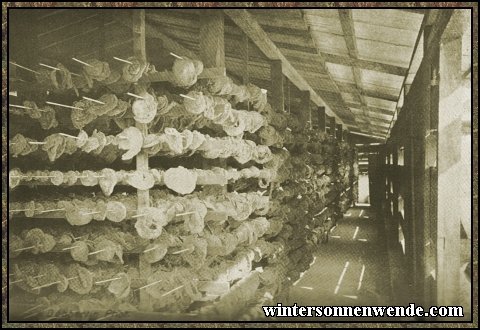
<point>207,324</point>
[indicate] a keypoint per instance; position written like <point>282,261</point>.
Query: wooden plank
<point>139,50</point>
<point>304,109</point>
<point>346,21</point>
<point>173,19</point>
<point>379,95</point>
<point>277,92</point>
<point>373,136</point>
<point>279,22</point>
<point>332,126</point>
<point>365,64</point>
<point>452,190</point>
<point>169,44</point>
<point>380,121</point>
<point>251,28</point>
<point>322,122</point>
<point>339,133</point>
<point>371,109</point>
<point>212,49</point>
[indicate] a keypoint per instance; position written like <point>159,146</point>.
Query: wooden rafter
<point>249,25</point>
<point>372,109</point>
<point>368,135</point>
<point>346,21</point>
<point>365,64</point>
<point>347,61</point>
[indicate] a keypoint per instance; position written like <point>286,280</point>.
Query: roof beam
<point>247,23</point>
<point>347,61</point>
<point>365,64</point>
<point>379,95</point>
<point>169,43</point>
<point>372,109</point>
<point>346,20</point>
<point>384,122</point>
<point>369,135</point>
<point>302,40</point>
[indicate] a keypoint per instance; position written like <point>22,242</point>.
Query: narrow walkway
<point>350,270</point>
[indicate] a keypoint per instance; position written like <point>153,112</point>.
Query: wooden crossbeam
<point>365,64</point>
<point>247,23</point>
<point>278,99</point>
<point>347,61</point>
<point>346,20</point>
<point>371,109</point>
<point>212,41</point>
<point>322,120</point>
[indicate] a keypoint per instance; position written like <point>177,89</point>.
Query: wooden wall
<point>426,183</point>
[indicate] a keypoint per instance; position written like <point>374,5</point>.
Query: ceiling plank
<point>379,95</point>
<point>372,109</point>
<point>168,43</point>
<point>369,135</point>
<point>346,21</point>
<point>347,61</point>
<point>247,23</point>
<point>365,64</point>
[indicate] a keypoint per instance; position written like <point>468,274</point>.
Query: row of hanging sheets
<point>90,142</point>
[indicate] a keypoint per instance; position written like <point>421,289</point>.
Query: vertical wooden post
<point>212,38</point>
<point>450,167</point>
<point>322,120</point>
<point>395,176</point>
<point>304,108</point>
<point>277,92</point>
<point>339,133</point>
<point>431,174</point>
<point>332,126</point>
<point>139,50</point>
<point>212,50</point>
<point>346,136</point>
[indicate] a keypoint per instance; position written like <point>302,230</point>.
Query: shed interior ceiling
<point>356,61</point>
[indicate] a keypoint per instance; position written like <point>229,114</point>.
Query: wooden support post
<point>250,26</point>
<point>332,126</point>
<point>394,173</point>
<point>304,113</point>
<point>212,50</point>
<point>339,133</point>
<point>322,120</point>
<point>346,136</point>
<point>212,40</point>
<point>451,189</point>
<point>277,92</point>
<point>139,50</point>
